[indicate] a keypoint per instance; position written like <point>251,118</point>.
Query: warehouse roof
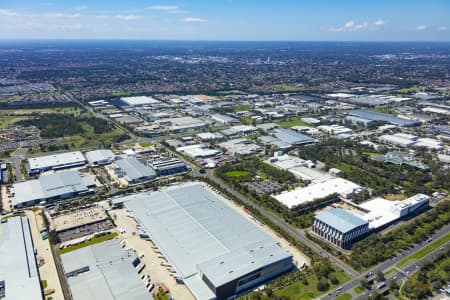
<point>134,169</point>
<point>17,264</point>
<point>341,220</point>
<point>139,100</point>
<point>196,231</point>
<point>292,137</point>
<point>376,116</point>
<point>49,161</point>
<point>99,155</point>
<point>111,274</point>
<point>49,186</point>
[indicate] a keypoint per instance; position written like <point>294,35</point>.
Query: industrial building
<point>340,227</point>
<point>52,187</point>
<point>316,191</point>
<point>376,116</point>
<point>59,161</point>
<point>100,157</point>
<point>168,166</point>
<point>224,119</point>
<point>133,170</point>
<point>292,137</point>
<point>139,100</point>
<point>240,146</point>
<point>216,251</point>
<point>409,140</point>
<point>19,275</point>
<point>400,158</point>
<point>182,123</point>
<point>103,271</point>
<point>197,151</point>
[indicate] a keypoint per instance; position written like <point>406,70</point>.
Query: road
<point>388,264</point>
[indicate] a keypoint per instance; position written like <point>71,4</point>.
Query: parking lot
<point>159,274</point>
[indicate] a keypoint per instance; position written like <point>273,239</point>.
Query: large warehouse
<point>55,162</point>
<point>104,271</point>
<point>215,250</point>
<point>51,187</point>
<point>100,157</point>
<point>133,170</point>
<point>340,227</point>
<point>19,276</point>
<point>376,116</point>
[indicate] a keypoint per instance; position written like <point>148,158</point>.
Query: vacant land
<point>292,122</point>
<point>288,88</point>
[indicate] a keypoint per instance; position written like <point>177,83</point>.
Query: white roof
<point>139,100</point>
<point>99,155</point>
<point>316,191</point>
<point>54,160</point>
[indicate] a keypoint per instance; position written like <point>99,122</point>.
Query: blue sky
<point>268,20</point>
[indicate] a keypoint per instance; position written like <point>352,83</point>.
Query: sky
<point>237,20</point>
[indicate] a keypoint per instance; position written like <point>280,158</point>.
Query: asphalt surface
<point>406,270</point>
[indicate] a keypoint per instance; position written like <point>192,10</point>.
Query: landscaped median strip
<point>94,240</point>
<point>424,251</point>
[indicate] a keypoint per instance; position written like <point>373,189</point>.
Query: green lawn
<point>44,283</point>
<point>231,92</point>
<point>345,296</point>
<point>288,88</point>
<point>93,241</point>
<point>145,144</point>
<point>425,250</point>
<point>388,272</point>
<point>292,122</point>
<point>299,291</point>
<point>241,107</point>
<point>238,174</point>
<point>359,289</point>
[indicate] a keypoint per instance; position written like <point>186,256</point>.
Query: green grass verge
<point>44,283</point>
<point>301,291</point>
<point>359,289</point>
<point>241,107</point>
<point>93,241</point>
<point>425,250</point>
<point>388,272</point>
<point>288,88</point>
<point>345,296</point>
<point>292,122</point>
<point>238,174</point>
<point>145,144</point>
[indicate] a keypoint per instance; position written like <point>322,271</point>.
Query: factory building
<point>104,271</point>
<point>52,187</point>
<point>340,227</point>
<point>19,275</point>
<point>100,157</point>
<point>292,137</point>
<point>133,170</point>
<point>215,250</point>
<point>60,161</point>
<point>376,116</point>
<point>168,166</point>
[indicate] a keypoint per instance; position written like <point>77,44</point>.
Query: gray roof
<point>376,116</point>
<point>49,186</point>
<point>134,169</point>
<point>196,231</point>
<point>99,155</point>
<point>17,264</point>
<point>341,220</point>
<point>292,137</point>
<point>111,273</point>
<point>55,160</point>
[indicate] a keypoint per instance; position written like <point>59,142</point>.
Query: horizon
<point>227,20</point>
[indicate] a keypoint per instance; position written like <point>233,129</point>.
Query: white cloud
<point>422,27</point>
<point>350,26</point>
<point>379,22</point>
<point>163,7</point>
<point>8,13</point>
<point>128,17</point>
<point>81,7</point>
<point>194,20</point>
<point>442,28</point>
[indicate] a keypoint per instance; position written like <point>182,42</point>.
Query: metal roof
<point>196,231</point>
<point>134,169</point>
<point>49,186</point>
<point>341,220</point>
<point>292,137</point>
<point>111,274</point>
<point>54,160</point>
<point>18,264</point>
<point>99,155</point>
<point>376,116</point>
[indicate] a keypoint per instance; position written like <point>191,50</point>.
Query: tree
<point>334,280</point>
<point>364,283</point>
<point>322,284</point>
<point>393,285</point>
<point>380,276</point>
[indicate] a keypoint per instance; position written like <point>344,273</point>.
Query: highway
<point>388,264</point>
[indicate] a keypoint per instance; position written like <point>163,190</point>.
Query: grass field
<point>11,116</point>
<point>231,92</point>
<point>425,250</point>
<point>293,122</point>
<point>300,291</point>
<point>93,241</point>
<point>5,121</point>
<point>145,144</point>
<point>345,296</point>
<point>241,107</point>
<point>288,88</point>
<point>238,175</point>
